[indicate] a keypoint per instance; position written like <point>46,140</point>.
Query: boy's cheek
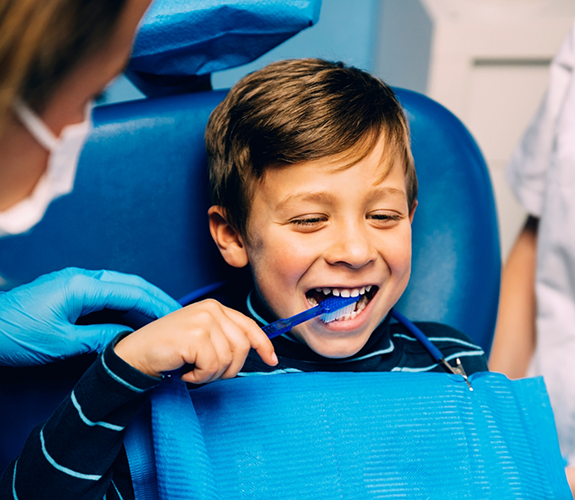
<point>279,256</point>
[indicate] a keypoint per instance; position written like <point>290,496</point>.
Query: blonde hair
<point>42,40</point>
<point>299,110</point>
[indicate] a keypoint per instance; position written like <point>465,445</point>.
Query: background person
<point>536,324</point>
<point>56,57</point>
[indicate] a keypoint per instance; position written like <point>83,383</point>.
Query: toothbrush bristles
<point>340,313</point>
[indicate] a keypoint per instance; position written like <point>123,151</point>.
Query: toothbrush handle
<point>282,326</point>
<point>277,328</point>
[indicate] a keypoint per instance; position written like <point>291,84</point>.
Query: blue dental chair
<point>140,204</point>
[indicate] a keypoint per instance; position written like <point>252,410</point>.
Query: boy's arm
<point>70,456</point>
<point>514,341</point>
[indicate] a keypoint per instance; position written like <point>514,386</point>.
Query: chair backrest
<point>456,262</point>
<point>139,206</point>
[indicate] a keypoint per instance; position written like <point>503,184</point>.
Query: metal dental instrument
<point>327,306</point>
<point>434,351</point>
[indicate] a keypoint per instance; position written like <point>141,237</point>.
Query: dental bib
<point>348,435</point>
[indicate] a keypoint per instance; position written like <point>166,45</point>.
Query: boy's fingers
<point>206,364</point>
<point>240,347</point>
<point>238,344</point>
<point>224,352</point>
<point>257,338</point>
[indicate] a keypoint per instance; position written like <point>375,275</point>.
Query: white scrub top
<point>542,175</point>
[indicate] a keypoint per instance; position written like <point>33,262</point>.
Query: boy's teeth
<point>345,292</point>
<point>345,313</point>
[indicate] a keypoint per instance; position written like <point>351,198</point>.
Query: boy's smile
<point>315,230</point>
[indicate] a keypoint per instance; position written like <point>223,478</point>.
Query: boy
<point>314,187</point>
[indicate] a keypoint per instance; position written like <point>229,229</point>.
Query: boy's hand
<point>213,338</point>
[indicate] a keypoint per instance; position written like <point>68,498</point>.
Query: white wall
<point>486,61</point>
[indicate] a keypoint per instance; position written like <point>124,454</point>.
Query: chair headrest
<point>181,42</point>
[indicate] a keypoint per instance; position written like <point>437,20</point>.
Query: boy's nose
<point>352,248</point>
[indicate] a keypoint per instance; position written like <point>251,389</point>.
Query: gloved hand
<point>37,319</point>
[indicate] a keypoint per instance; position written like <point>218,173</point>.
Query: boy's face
<point>313,227</point>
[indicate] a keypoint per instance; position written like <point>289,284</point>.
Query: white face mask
<point>57,180</point>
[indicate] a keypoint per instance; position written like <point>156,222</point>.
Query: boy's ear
<point>412,211</point>
<point>228,240</point>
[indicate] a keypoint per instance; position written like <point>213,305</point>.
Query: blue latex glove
<point>37,320</point>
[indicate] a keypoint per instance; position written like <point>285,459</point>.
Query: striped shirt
<point>78,453</point>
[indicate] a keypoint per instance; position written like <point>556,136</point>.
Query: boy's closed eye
<point>309,221</point>
<point>386,219</point>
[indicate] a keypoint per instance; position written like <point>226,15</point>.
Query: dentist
<point>56,57</point>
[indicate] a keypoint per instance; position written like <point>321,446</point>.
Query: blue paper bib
<point>351,436</point>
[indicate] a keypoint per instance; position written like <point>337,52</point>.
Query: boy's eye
<point>308,221</point>
<point>385,218</point>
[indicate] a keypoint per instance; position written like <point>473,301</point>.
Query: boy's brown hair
<point>300,110</point>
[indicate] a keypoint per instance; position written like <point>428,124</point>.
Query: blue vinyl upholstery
<point>456,262</point>
<point>139,206</point>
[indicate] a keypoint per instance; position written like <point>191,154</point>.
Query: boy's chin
<point>337,354</point>
<point>335,349</point>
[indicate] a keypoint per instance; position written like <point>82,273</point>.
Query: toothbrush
<point>327,307</point>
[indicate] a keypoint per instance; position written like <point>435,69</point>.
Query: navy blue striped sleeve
<point>70,456</point>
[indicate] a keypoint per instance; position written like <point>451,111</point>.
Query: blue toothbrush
<point>327,306</point>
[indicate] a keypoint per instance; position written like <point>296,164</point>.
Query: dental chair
<point>140,205</point>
